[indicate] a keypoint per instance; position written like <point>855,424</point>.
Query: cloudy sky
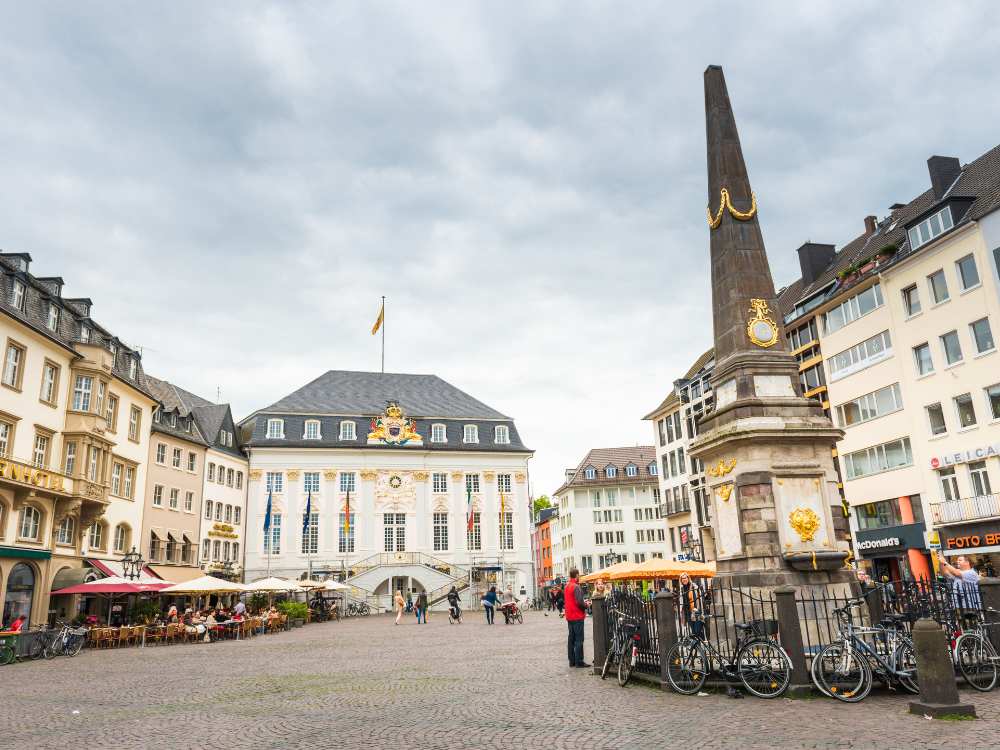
<point>236,184</point>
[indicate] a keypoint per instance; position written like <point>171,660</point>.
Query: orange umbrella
<point>609,572</point>
<point>660,568</point>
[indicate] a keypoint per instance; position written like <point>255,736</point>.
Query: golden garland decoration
<point>725,202</point>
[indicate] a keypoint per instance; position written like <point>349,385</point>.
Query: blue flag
<point>267,514</point>
<point>305,518</point>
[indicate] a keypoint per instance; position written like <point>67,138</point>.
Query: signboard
<point>684,536</point>
<point>933,540</point>
<point>969,537</point>
<point>964,457</point>
<point>889,540</point>
<point>26,474</point>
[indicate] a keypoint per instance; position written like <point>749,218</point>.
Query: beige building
<point>171,524</point>
<point>74,422</point>
<point>895,333</point>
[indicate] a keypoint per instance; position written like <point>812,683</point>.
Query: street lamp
<point>611,556</point>
<point>132,564</point>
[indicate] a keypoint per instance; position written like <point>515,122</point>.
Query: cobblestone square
<point>368,683</point>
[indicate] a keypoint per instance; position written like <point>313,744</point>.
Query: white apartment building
<point>895,334</point>
<point>684,501</point>
<point>609,509</point>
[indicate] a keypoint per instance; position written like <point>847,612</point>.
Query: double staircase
<point>436,575</point>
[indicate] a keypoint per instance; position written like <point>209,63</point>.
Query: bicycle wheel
<point>626,664</point>
<point>906,666</point>
<point>842,673</point>
<point>687,666</point>
<point>520,618</point>
<point>6,654</point>
<point>74,646</point>
<point>607,661</point>
<point>764,668</point>
<point>52,648</point>
<point>364,609</point>
<point>977,661</point>
<point>36,649</point>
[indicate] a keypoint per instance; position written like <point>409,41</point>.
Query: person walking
<point>422,608</point>
<point>576,613</point>
<point>400,604</point>
<point>489,602</point>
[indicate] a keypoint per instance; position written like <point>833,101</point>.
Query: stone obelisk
<point>776,512</point>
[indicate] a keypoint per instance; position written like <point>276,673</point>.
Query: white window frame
<point>52,322</point>
<point>877,453</point>
<point>958,413</point>
<point>311,430</point>
<point>274,482</point>
<point>933,226</point>
<point>439,433</point>
<point>868,403</point>
<point>961,274</point>
<point>911,303</point>
<point>17,295</point>
<point>930,286</point>
<point>311,482</point>
<point>851,310</point>
<point>861,355</point>
<point>275,429</point>
<point>610,472</point>
<point>470,433</point>
<point>348,430</point>
<point>916,359</point>
<point>948,362</point>
<point>439,481</point>
<point>348,481</point>
<point>975,339</point>
<point>631,470</point>
<point>930,422</point>
<point>501,434</point>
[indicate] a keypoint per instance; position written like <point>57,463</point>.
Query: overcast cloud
<point>236,184</point>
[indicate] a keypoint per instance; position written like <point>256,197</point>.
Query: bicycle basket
<point>764,628</point>
<point>78,631</point>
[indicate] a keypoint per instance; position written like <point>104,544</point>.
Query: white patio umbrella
<point>205,585</point>
<point>335,586</point>
<point>273,585</point>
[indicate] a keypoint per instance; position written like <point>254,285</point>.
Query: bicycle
<point>358,609</point>
<point>973,653</point>
<point>760,663</point>
<point>624,635</point>
<point>845,669</point>
<point>67,642</point>
<point>454,615</point>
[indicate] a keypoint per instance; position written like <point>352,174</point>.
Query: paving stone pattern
<point>366,683</point>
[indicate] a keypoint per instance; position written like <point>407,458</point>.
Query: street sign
<point>933,539</point>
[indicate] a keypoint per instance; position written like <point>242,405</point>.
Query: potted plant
<point>886,252</point>
<point>295,612</point>
<point>145,611</point>
<point>257,602</point>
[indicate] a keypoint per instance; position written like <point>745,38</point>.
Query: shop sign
<point>15,471</point>
<point>964,457</point>
<point>223,530</point>
<point>971,541</point>
<point>890,539</point>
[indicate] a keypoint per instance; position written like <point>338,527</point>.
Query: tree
<point>540,503</point>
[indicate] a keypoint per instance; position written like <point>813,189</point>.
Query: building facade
<point>409,484</point>
<point>544,569</point>
<point>609,509</point>
<point>74,422</point>
<point>684,502</point>
<point>895,335</point>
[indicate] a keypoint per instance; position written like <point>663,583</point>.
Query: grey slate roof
<point>73,312</point>
<point>209,418</point>
<point>366,393</point>
<point>979,180</point>
<point>340,395</point>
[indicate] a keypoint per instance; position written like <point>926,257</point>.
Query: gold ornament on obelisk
<point>722,468</point>
<point>725,490</point>
<point>804,522</point>
<point>761,328</point>
<point>725,202</point>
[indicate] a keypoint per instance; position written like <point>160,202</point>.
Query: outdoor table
<point>230,625</point>
<point>148,628</point>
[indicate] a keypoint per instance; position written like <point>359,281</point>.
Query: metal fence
<point>621,604</point>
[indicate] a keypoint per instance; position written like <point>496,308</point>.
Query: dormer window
<point>53,321</point>
<point>348,431</point>
<point>471,434</point>
<point>113,348</point>
<point>631,470</point>
<point>652,469</point>
<point>133,368</point>
<point>935,224</point>
<point>173,419</point>
<point>312,430</point>
<point>610,471</point>
<point>85,334</point>
<point>590,473</point>
<point>439,433</point>
<point>17,295</point>
<point>501,434</point>
<point>276,429</point>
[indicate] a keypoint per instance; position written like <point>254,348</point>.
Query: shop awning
<point>115,585</point>
<point>177,573</point>
<point>114,568</point>
<point>25,553</point>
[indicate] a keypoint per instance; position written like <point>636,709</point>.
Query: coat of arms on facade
<point>393,428</point>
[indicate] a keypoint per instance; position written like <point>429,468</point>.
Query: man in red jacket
<point>576,613</point>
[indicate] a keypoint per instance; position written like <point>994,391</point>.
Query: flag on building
<point>308,513</point>
<point>503,506</point>
<point>468,493</point>
<point>379,320</point>
<point>347,514</point>
<point>267,514</point>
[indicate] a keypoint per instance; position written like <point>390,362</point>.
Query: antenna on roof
<point>218,393</point>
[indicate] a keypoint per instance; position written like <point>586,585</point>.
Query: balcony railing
<point>966,509</point>
<point>681,506</point>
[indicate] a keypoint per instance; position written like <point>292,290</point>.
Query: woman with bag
<point>400,604</point>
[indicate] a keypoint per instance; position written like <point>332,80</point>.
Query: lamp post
<point>132,564</point>
<point>611,557</point>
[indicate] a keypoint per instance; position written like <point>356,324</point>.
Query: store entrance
<point>886,569</point>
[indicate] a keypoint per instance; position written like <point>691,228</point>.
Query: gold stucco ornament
<point>725,202</point>
<point>761,328</point>
<point>722,468</point>
<point>804,522</point>
<point>725,490</point>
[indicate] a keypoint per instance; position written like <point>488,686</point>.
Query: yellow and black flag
<point>379,320</point>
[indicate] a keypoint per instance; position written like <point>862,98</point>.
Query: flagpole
<point>383,334</point>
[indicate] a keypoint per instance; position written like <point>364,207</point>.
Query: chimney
<point>871,223</point>
<point>944,171</point>
<point>570,473</point>
<point>814,258</point>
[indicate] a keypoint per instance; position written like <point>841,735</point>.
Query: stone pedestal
<point>936,674</point>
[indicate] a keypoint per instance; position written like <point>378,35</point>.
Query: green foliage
<point>145,610</point>
<point>293,610</point>
<point>257,601</point>
<point>891,249</point>
<point>541,503</point>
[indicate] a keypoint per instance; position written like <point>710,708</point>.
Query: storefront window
<point>20,589</point>
<point>887,513</point>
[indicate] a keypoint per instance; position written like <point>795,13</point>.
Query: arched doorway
<point>20,591</point>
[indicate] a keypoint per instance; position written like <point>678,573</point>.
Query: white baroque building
<point>409,458</point>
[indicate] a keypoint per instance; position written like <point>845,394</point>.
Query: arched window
<point>20,591</point>
<point>121,537</point>
<point>97,536</point>
<point>208,510</point>
<point>29,524</point>
<point>65,532</point>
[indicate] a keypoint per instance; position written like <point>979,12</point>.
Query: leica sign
<point>964,457</point>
